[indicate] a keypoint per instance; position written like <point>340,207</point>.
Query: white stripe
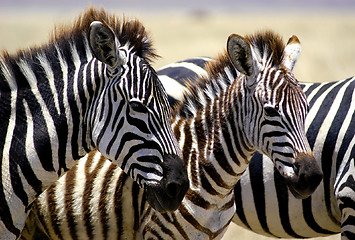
<point>61,209</point>
<point>64,68</point>
<point>8,76</point>
<point>50,77</point>
<point>344,127</point>
<point>47,178</point>
<point>17,209</point>
<point>323,131</point>
<point>77,64</point>
<point>316,106</point>
<point>95,197</point>
<point>53,136</point>
<point>229,74</point>
<point>173,87</point>
<point>307,85</point>
<point>87,48</point>
<point>193,67</point>
<point>110,204</point>
<point>88,61</point>
<point>95,161</point>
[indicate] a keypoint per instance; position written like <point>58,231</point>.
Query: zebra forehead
<point>283,85</point>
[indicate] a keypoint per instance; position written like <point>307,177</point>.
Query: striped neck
<point>212,134</point>
<point>217,152</point>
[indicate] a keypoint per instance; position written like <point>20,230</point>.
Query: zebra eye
<point>272,111</point>
<point>138,107</point>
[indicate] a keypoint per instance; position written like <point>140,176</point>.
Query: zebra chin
<point>167,194</point>
<point>307,177</point>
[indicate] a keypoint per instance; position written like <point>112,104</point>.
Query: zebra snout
<point>166,196</point>
<point>173,189</point>
<point>308,175</point>
<point>175,173</point>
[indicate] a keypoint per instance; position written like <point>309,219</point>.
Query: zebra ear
<point>240,53</point>
<point>103,43</point>
<point>291,52</point>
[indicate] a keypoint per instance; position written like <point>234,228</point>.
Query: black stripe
<point>350,131</point>
<point>136,201</point>
<point>309,218</point>
<point>68,198</point>
<point>87,196</point>
<point>104,196</point>
<point>5,214</point>
<point>118,196</point>
<point>310,89</point>
<point>52,205</point>
<point>329,146</point>
<point>197,61</point>
<point>282,199</point>
<point>5,97</point>
<point>320,91</point>
<point>40,132</point>
<point>239,204</point>
<point>114,138</point>
<point>138,122</point>
<point>61,120</point>
<point>128,137</point>
<point>258,188</point>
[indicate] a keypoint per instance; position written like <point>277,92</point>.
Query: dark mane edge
<point>128,31</point>
<point>268,42</point>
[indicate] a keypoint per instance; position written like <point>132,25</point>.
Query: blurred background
<point>186,28</point>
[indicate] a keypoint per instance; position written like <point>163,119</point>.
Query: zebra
<point>249,100</point>
<point>263,204</point>
<point>91,87</point>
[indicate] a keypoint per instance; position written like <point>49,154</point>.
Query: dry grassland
<point>328,43</point>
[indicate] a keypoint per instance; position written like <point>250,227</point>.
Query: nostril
<point>173,189</point>
<point>316,178</point>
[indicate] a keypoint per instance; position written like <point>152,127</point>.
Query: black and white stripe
<point>263,203</point>
<point>90,87</point>
<point>219,124</point>
<point>273,211</point>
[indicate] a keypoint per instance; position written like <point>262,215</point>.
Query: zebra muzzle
<point>307,177</point>
<point>166,196</point>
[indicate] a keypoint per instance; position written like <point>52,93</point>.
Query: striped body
<point>90,88</point>
<point>218,135</point>
<point>330,128</point>
<point>263,203</point>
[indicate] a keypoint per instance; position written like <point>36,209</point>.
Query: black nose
<point>166,196</point>
<point>309,175</point>
<point>175,173</point>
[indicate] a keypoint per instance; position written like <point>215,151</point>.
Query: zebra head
<point>134,100</point>
<point>276,107</point>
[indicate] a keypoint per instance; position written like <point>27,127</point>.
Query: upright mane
<point>267,44</point>
<point>129,32</point>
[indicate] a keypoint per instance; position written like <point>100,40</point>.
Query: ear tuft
<point>239,52</point>
<point>102,42</point>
